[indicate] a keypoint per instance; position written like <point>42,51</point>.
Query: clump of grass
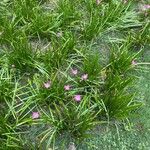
<point>72,117</point>
<point>72,87</point>
<point>8,137</point>
<point>69,15</point>
<point>44,25</point>
<point>9,31</point>
<point>106,17</point>
<point>118,99</point>
<point>21,55</point>
<point>24,10</point>
<point>61,47</point>
<point>91,65</point>
<point>6,85</point>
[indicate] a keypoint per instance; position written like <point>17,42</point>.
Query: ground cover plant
<point>74,74</point>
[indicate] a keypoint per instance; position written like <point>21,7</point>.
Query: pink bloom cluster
<point>47,84</point>
<point>35,115</point>
<point>146,6</point>
<point>74,71</point>
<point>134,63</point>
<point>67,87</point>
<point>77,98</point>
<point>84,77</point>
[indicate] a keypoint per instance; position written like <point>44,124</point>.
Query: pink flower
<point>98,2</point>
<point>59,34</point>
<point>47,84</point>
<point>84,77</point>
<point>67,87</point>
<point>77,98</point>
<point>125,1</point>
<point>134,62</point>
<point>13,66</point>
<point>146,6</point>
<point>74,71</point>
<point>35,115</point>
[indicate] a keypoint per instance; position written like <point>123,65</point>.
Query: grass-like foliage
<point>67,67</point>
